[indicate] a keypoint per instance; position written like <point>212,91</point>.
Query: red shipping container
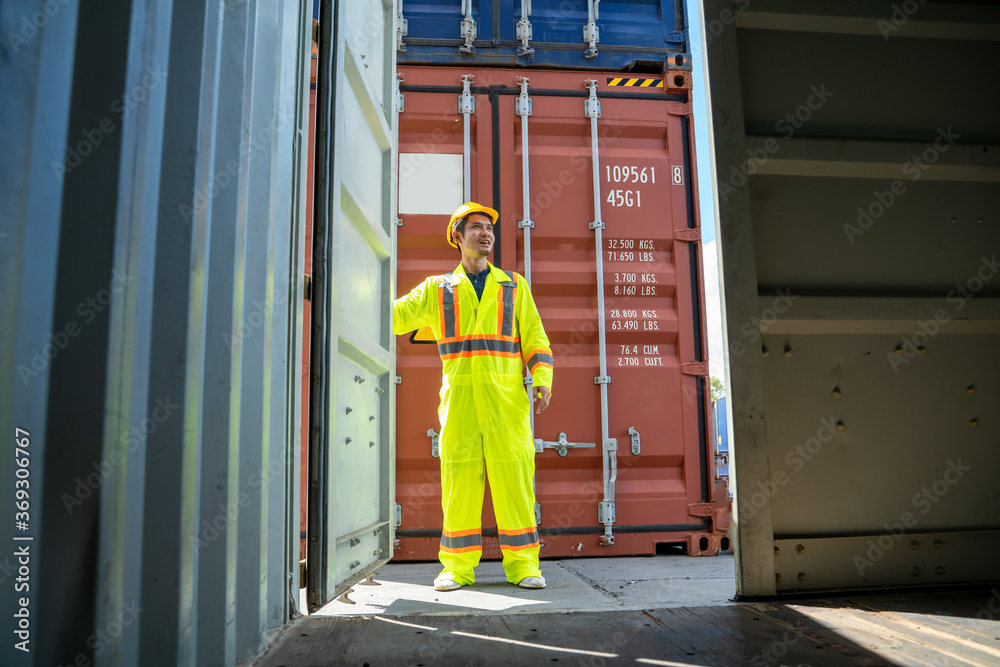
<point>645,473</point>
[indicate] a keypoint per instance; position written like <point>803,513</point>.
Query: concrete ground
<point>581,584</point>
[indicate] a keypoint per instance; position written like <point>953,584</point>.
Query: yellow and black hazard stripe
<point>635,83</point>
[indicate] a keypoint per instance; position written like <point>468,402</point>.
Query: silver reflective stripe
<point>448,303</point>
<point>479,345</point>
<point>540,359</point>
<point>463,541</point>
<point>518,540</point>
<point>508,308</point>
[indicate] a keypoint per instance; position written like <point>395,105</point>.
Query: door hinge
<point>678,109</point>
<point>690,235</point>
<point>307,289</point>
<point>696,368</point>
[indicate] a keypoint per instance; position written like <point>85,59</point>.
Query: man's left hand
<point>542,396</point>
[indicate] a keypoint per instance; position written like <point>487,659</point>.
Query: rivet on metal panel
<point>802,576</point>
<point>970,390</point>
<point>315,379</point>
<point>314,485</point>
<point>840,427</point>
<point>355,563</point>
<point>916,571</point>
<point>914,544</point>
<point>348,410</point>
<point>399,379</point>
<point>777,551</point>
<point>973,423</point>
<point>371,418</point>
<point>371,443</point>
<point>312,538</point>
<point>954,220</point>
<point>836,392</point>
<point>777,577</point>
<point>355,541</point>
<point>379,390</point>
<point>347,440</point>
<point>315,430</point>
<point>788,350</point>
<point>979,221</point>
<point>937,544</point>
<point>800,548</point>
<point>898,349</point>
<point>921,350</point>
<point>399,222</point>
<point>939,570</point>
<point>763,351</point>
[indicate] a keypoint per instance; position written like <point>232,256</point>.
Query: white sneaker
<point>445,583</point>
<point>532,582</point>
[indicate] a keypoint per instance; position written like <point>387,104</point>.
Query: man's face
<point>478,237</point>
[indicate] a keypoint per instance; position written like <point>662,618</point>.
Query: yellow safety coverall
<point>485,412</point>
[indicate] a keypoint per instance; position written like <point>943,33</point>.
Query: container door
<point>351,507</point>
<point>624,463</point>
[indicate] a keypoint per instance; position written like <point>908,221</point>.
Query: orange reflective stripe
<point>517,531</point>
<point>461,533</point>
<point>533,545</point>
<point>460,550</point>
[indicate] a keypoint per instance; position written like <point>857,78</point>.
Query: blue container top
<point>644,34</point>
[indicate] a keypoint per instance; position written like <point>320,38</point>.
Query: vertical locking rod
<point>592,110</point>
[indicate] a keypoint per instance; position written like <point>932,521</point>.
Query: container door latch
<point>561,445</point>
<point>435,442</point>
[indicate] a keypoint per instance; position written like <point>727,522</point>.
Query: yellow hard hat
<point>464,210</point>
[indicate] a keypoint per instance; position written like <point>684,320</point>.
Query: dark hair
<point>460,223</point>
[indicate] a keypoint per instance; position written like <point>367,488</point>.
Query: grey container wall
<point>858,176</point>
<point>150,338</point>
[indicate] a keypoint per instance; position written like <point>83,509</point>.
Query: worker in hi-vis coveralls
<point>486,326</point>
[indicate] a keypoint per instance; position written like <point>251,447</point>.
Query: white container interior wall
<point>151,214</point>
<point>855,224</point>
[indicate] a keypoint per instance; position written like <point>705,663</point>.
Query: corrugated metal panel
<point>655,349</point>
<point>153,217</point>
<point>546,34</point>
<point>351,508</point>
<point>858,229</point>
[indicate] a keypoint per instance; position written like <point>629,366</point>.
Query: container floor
<point>658,610</point>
